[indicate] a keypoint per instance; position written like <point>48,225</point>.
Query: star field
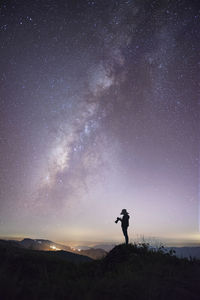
<point>99,111</point>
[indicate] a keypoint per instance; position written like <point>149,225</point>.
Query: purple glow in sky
<point>99,112</point>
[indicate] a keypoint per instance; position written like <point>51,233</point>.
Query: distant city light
<point>54,248</point>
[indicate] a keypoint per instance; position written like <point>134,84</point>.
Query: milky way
<point>99,112</point>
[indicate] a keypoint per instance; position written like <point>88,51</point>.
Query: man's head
<point>123,212</point>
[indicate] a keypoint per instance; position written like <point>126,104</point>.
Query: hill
<point>94,253</point>
<point>46,245</point>
<point>127,272</point>
<point>12,249</point>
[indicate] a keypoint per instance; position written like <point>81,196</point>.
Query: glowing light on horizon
<point>54,248</point>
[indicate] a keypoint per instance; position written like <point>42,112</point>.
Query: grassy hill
<point>127,272</point>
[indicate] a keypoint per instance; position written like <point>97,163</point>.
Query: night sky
<point>99,105</point>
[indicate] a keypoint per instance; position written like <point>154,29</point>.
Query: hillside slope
<point>46,245</point>
<point>132,272</point>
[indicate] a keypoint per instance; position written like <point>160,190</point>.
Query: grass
<point>127,272</point>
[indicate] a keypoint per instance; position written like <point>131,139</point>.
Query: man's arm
<point>118,219</point>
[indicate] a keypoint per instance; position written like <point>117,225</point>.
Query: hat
<point>124,211</point>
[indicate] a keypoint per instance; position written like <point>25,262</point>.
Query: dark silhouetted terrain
<point>96,252</point>
<point>46,245</point>
<point>127,272</point>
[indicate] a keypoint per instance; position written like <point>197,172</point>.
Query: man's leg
<point>125,234</point>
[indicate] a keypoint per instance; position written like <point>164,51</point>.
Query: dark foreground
<point>127,272</point>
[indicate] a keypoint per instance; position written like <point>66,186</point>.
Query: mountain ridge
<point>47,245</point>
<point>97,251</point>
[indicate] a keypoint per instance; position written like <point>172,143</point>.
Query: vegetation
<point>127,272</point>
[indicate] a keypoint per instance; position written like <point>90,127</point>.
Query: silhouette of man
<point>124,223</point>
